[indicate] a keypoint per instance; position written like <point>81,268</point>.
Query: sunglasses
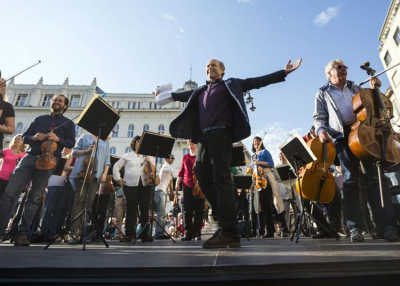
<point>339,67</point>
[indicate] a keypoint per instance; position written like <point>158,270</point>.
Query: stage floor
<point>269,259</point>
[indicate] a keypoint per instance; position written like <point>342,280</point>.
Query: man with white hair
<point>333,117</point>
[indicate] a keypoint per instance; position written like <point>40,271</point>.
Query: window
<point>131,129</point>
<point>146,127</point>
<point>185,151</point>
<point>155,105</point>
<point>131,105</point>
<point>113,150</point>
<point>396,107</point>
<point>388,58</point>
<point>18,130</point>
<point>116,130</point>
<point>159,160</point>
<point>21,100</point>
<point>151,105</point>
<point>138,105</point>
<point>396,36</point>
<point>161,129</point>
<point>76,130</point>
<point>128,149</point>
<point>47,100</point>
<point>114,104</point>
<point>75,100</point>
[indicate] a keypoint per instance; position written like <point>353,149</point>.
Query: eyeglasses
<point>172,158</point>
<point>339,67</point>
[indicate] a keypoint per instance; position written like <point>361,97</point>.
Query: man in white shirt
<point>160,194</point>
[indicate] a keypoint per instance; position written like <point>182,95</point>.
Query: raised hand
<point>292,67</point>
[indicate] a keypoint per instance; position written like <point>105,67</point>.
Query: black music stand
<point>298,155</point>
<point>238,158</point>
<point>97,118</point>
<point>158,146</point>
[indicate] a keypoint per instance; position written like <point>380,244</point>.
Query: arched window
<point>128,149</point>
<point>18,130</point>
<point>76,130</point>
<point>116,130</point>
<point>131,130</point>
<point>146,127</point>
<point>185,151</point>
<point>113,150</point>
<point>161,129</point>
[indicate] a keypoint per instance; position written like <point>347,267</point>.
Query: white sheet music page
<point>164,97</point>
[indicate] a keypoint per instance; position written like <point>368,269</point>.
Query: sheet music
<point>164,97</point>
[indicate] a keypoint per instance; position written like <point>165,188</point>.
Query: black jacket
<point>186,125</point>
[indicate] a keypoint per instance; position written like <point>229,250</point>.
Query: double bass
<point>316,180</point>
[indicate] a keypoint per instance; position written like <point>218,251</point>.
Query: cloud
<point>170,17</point>
<point>275,136</point>
<point>326,16</point>
<point>244,1</point>
<point>180,29</point>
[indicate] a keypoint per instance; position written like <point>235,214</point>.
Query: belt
<point>205,130</point>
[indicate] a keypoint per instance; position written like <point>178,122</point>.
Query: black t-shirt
<point>8,111</point>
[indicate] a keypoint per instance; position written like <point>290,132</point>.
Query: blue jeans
<point>161,201</point>
<point>351,190</point>
<point>25,171</point>
<point>53,206</point>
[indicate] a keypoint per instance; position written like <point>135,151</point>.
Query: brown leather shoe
<point>222,241</point>
<point>22,241</point>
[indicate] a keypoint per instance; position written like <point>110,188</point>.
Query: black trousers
<point>99,209</point>
<point>192,205</point>
<point>268,208</point>
<point>134,196</point>
<point>213,160</point>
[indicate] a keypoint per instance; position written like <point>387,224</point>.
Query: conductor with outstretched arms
<point>215,116</point>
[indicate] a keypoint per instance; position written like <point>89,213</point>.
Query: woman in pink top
<point>11,157</point>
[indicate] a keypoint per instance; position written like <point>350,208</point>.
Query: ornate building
<point>389,53</point>
<point>139,111</point>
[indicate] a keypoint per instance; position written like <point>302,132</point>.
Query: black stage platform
<point>273,260</point>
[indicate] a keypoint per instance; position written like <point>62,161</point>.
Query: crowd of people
<point>79,175</point>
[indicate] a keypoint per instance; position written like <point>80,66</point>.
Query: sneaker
<point>22,241</point>
<point>222,241</point>
<point>356,236</point>
<point>390,235</point>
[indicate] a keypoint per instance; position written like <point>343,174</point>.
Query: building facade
<point>389,53</point>
<point>138,111</point>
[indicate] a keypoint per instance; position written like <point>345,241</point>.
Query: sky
<point>132,46</point>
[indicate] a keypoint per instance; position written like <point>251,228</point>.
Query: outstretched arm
<point>292,67</point>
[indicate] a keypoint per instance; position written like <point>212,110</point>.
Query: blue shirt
<point>264,156</point>
<point>42,124</point>
<point>102,155</point>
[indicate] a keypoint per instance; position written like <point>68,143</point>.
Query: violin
<point>107,187</point>
<point>372,135</point>
<point>196,192</point>
<point>259,177</point>
<point>150,171</point>
<point>316,180</point>
<point>86,175</point>
<point>171,191</point>
<point>47,160</point>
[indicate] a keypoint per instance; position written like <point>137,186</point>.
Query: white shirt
<point>134,169</point>
<point>166,173</point>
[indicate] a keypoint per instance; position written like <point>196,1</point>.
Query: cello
<point>372,135</point>
<point>316,180</point>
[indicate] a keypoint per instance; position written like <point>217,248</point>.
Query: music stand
<point>238,158</point>
<point>158,146</point>
<point>298,155</point>
<point>97,118</point>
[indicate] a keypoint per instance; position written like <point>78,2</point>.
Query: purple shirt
<point>215,105</point>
